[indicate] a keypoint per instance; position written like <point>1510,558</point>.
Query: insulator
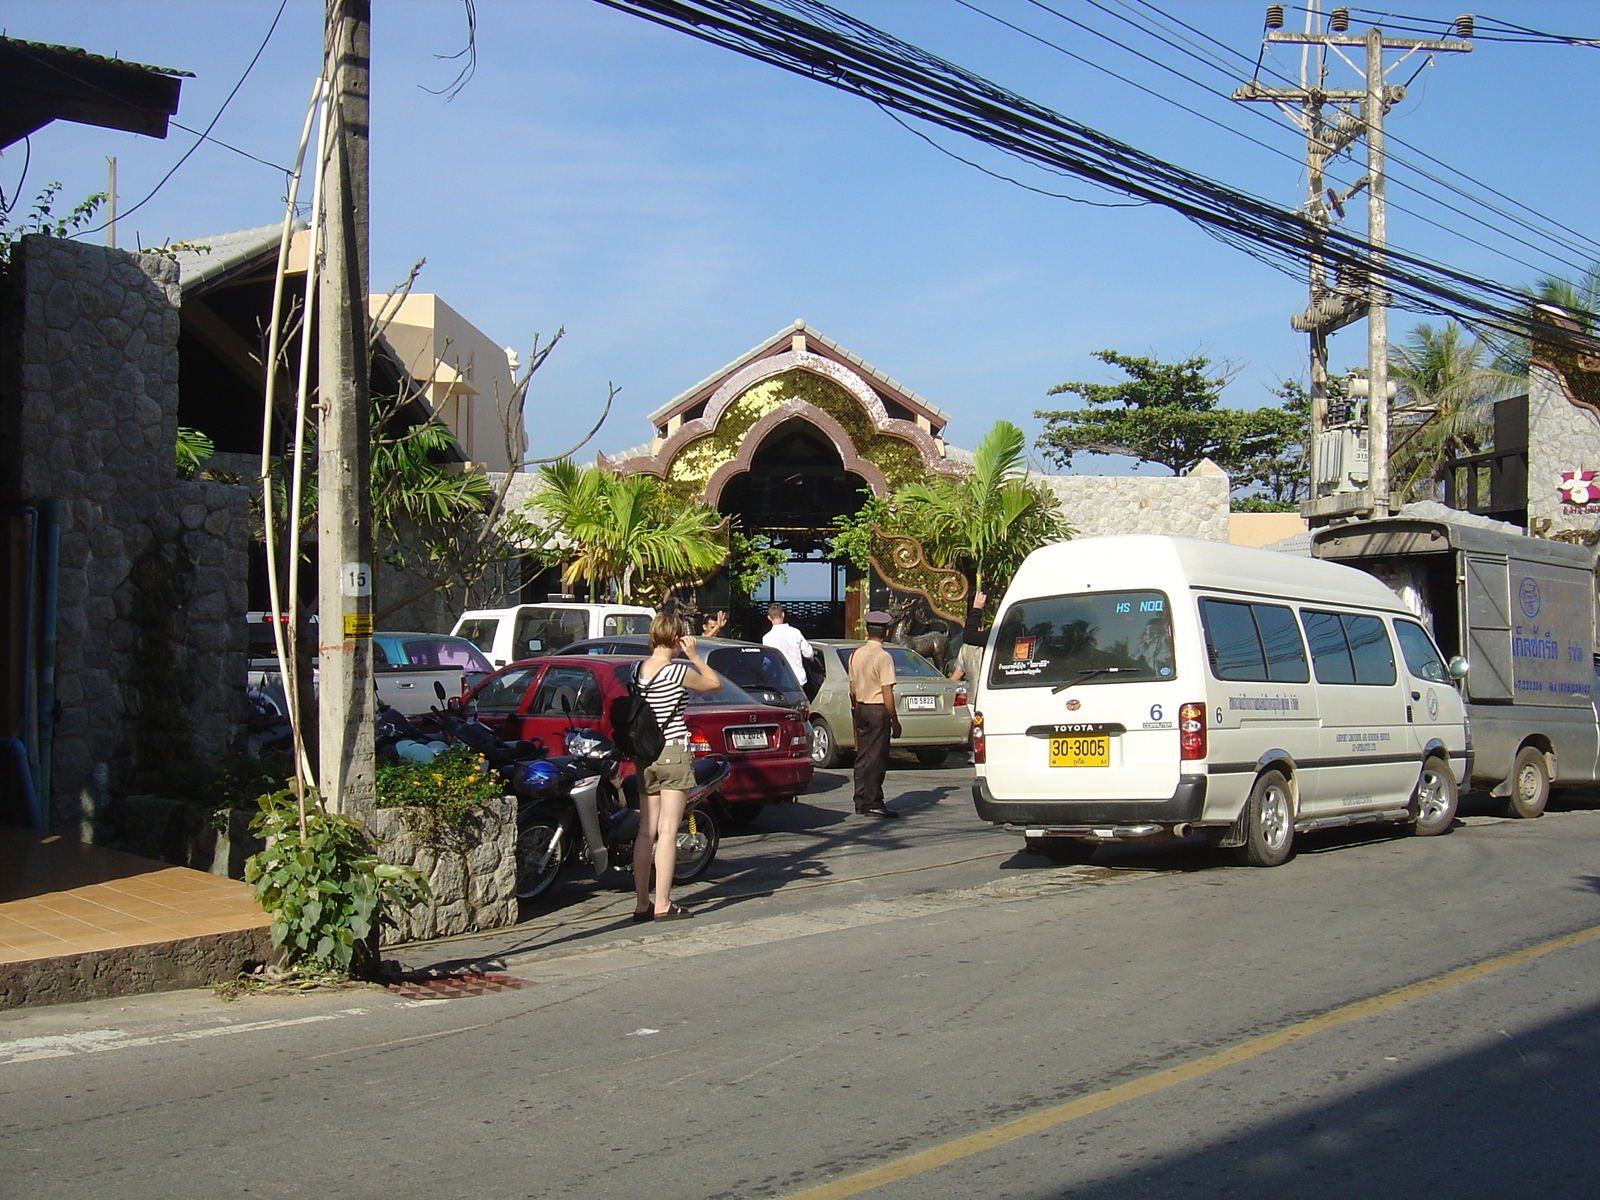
<point>1464,25</point>
<point>1274,16</point>
<point>1339,20</point>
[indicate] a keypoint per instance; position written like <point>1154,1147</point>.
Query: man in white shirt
<point>788,641</point>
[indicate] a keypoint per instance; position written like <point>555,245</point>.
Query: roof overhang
<point>40,83</point>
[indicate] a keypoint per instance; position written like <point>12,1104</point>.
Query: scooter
<point>397,739</point>
<point>575,806</point>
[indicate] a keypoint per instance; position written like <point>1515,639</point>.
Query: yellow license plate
<point>1080,752</point>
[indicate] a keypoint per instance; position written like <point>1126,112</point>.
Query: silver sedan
<point>935,717</point>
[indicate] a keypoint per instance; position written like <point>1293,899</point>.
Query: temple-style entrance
<point>786,439</point>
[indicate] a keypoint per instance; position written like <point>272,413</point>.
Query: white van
<point>1145,687</point>
<point>508,635</point>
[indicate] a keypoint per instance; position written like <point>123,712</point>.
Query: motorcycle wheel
<point>539,852</point>
<point>697,845</point>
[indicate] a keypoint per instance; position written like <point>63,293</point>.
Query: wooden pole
<point>344,516</point>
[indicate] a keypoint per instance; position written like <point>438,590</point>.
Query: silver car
<point>934,715</point>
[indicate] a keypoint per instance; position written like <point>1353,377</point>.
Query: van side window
<point>1253,642</point>
<point>1346,648</point>
<point>1416,647</point>
<point>1330,653</point>
<point>1369,647</point>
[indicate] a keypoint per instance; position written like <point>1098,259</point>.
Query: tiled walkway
<point>60,897</point>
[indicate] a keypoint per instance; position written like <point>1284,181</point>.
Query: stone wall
<point>472,872</point>
<point>1562,437</point>
<point>153,570</point>
<point>1193,505</point>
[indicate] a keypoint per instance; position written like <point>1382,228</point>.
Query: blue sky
<point>671,204</point>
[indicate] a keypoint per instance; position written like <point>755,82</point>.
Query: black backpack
<point>634,730</point>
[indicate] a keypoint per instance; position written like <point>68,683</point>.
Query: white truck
<point>1521,610</point>
<point>508,635</point>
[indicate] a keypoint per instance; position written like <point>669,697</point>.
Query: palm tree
<point>1445,382</point>
<point>988,522</point>
<point>610,528</point>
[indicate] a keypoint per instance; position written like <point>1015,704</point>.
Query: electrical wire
<point>22,178</point>
<point>816,41</point>
<point>1585,245</point>
<point>235,149</point>
<point>1590,253</point>
<point>206,135</point>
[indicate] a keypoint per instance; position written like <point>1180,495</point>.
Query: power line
<point>812,39</point>
<point>1591,251</point>
<point>235,149</point>
<point>206,135</point>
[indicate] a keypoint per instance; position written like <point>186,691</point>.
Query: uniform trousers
<point>871,722</point>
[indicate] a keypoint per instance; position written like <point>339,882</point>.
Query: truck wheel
<point>1433,804</point>
<point>824,746</point>
<point>932,756</point>
<point>1269,823</point>
<point>1530,785</point>
<point>1064,850</point>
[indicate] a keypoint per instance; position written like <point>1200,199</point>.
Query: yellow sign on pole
<point>357,625</point>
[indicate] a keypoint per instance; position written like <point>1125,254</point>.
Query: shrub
<point>441,797</point>
<point>329,894</point>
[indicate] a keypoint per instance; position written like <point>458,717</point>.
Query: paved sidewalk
<point>79,922</point>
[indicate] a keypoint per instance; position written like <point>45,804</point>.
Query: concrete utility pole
<point>344,513</point>
<point>1360,113</point>
<point>111,202</point>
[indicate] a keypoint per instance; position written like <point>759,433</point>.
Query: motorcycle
<point>397,739</point>
<point>575,806</point>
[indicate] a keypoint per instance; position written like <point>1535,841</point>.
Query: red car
<point>769,747</point>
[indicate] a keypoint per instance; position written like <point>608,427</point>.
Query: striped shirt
<point>664,692</point>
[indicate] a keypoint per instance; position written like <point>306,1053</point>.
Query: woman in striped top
<point>664,784</point>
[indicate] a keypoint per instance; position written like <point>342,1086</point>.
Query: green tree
<point>1277,480</point>
<point>752,561</point>
<point>1445,381</point>
<point>608,530</point>
<point>987,522</point>
<point>1167,413</point>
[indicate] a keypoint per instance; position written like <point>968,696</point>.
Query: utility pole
<point>1359,114</point>
<point>344,515</point>
<point>111,202</point>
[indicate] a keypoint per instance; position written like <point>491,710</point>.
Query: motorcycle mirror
<point>566,705</point>
<point>438,690</point>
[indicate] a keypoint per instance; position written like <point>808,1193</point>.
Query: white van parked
<point>508,635</point>
<point>1143,687</point>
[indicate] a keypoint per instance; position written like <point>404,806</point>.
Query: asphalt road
<point>897,1009</point>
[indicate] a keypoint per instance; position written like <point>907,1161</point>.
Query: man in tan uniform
<point>873,716</point>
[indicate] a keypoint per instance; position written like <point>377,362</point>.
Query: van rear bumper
<point>1183,806</point>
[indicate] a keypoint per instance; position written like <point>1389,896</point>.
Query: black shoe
<point>880,812</point>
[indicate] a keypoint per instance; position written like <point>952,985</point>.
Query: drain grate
<point>455,987</point>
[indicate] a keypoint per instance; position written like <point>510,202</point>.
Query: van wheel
<point>1433,805</point>
<point>1269,823</point>
<point>824,746</point>
<point>1530,785</point>
<point>1064,850</point>
<point>932,756</point>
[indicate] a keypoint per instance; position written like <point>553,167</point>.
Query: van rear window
<point>1092,637</point>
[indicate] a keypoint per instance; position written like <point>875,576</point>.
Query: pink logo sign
<point>1579,487</point>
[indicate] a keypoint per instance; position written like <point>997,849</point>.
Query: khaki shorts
<point>672,772</point>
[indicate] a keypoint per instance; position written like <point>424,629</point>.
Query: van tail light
<point>1191,731</point>
<point>699,744</point>
<point>961,698</point>
<point>979,744</point>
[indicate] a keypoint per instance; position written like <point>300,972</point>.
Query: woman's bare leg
<point>669,812</point>
<point>644,848</point>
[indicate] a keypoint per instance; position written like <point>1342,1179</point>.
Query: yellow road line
<point>1060,1114</point>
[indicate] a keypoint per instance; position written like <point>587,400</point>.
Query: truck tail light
<point>699,744</point>
<point>979,745</point>
<point>1191,731</point>
<point>961,698</point>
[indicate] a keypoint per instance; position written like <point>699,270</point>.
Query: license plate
<point>748,739</point>
<point>1080,752</point>
<point>922,703</point>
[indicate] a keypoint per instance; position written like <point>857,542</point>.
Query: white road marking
<point>98,1041</point>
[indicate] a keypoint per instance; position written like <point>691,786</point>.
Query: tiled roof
<point>855,360</point>
<point>75,52</point>
<point>224,251</point>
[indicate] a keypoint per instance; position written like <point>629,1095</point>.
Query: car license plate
<point>748,739</point>
<point>922,703</point>
<point>1080,752</point>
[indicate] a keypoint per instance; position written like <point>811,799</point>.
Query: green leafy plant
<point>326,891</point>
<point>439,798</point>
<point>238,781</point>
<point>193,449</point>
<point>41,218</point>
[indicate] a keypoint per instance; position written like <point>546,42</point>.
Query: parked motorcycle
<point>396,738</point>
<point>576,807</point>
